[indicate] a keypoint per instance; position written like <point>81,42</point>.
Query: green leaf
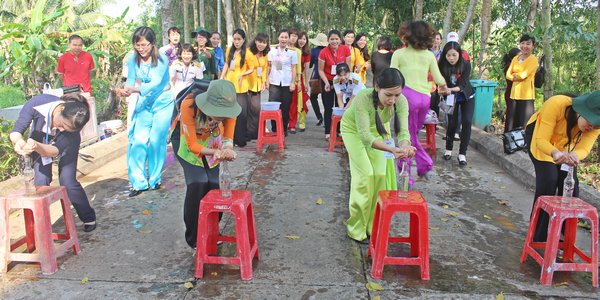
<point>16,50</point>
<point>34,42</point>
<point>37,15</point>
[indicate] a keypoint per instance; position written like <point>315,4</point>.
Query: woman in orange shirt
<point>207,123</point>
<point>239,64</point>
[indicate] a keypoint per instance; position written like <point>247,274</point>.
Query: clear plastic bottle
<point>569,184</point>
<point>28,175</point>
<point>225,179</point>
<point>403,181</point>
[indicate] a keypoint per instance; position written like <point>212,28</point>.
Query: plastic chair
<point>38,228</point>
<point>567,210</point>
<point>388,204</point>
<point>240,205</point>
<point>265,137</point>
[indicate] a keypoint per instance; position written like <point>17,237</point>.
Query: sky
<point>116,8</point>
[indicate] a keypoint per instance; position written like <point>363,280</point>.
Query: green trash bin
<point>484,100</point>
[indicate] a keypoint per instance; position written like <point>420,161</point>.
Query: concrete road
<point>478,220</point>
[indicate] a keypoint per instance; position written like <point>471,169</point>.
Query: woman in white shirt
<point>282,76</point>
<point>183,71</point>
<point>346,85</point>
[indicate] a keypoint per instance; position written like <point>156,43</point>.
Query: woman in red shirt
<point>329,57</point>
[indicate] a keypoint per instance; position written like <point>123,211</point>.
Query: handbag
<point>315,84</point>
<point>514,140</point>
<point>47,89</point>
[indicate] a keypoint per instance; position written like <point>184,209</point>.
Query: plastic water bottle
<point>569,184</point>
<point>403,181</point>
<point>225,179</point>
<point>28,175</point>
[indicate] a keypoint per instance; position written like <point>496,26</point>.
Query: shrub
<point>11,96</point>
<point>9,163</point>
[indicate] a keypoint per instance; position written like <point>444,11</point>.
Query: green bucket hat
<point>588,106</point>
<point>219,100</point>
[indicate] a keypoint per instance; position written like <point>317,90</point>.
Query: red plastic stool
<point>388,204</point>
<point>428,143</point>
<point>38,228</point>
<point>335,140</point>
<point>567,210</point>
<point>240,204</point>
<point>265,137</point>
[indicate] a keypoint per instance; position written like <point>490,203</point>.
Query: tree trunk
<point>228,7</point>
<point>465,26</point>
<point>533,7</point>
<point>448,20</point>
<point>598,59</point>
<point>167,19</point>
<point>201,13</point>
<point>195,13</point>
<point>186,22</point>
<point>255,24</point>
<point>418,10</point>
<point>356,8</point>
<point>547,44</point>
<point>486,24</point>
<point>241,10</point>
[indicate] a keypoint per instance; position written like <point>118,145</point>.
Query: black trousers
<point>314,101</point>
<point>240,136</point>
<point>435,103</point>
<point>549,181</point>
<point>328,104</point>
<point>199,181</point>
<point>67,177</point>
<point>281,93</point>
<point>466,116</point>
<point>518,113</point>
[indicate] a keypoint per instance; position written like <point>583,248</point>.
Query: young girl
<point>257,81</point>
<point>456,72</point>
<point>414,61</point>
<point>360,43</point>
<point>207,125</point>
<point>55,133</point>
<point>183,71</point>
<point>302,94</point>
<point>381,58</point>
<point>153,111</point>
<point>239,64</point>
<point>329,57</point>
<point>346,85</point>
<point>365,126</point>
<point>282,77</point>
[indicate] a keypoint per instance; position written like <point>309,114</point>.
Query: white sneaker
<point>462,160</point>
<point>327,137</point>
<point>447,154</point>
<point>456,137</point>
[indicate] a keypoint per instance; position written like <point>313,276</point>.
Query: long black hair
<point>388,78</point>
<point>148,34</point>
<point>364,51</point>
<point>571,116</point>
<point>446,68</point>
<point>232,49</point>
<point>76,110</point>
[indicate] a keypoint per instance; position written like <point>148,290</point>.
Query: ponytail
<point>76,109</point>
